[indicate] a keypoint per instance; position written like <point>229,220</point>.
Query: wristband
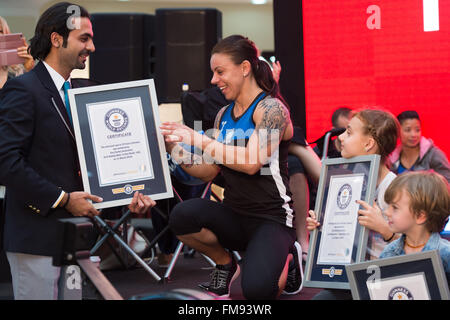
<point>393,234</point>
<point>67,201</point>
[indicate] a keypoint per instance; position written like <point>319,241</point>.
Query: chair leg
<point>209,260</point>
<point>127,248</point>
<point>106,235</point>
<point>237,256</point>
<point>234,253</point>
<point>180,244</point>
<point>174,260</point>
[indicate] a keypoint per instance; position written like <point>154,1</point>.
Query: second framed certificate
<point>416,276</point>
<point>119,144</point>
<point>340,240</point>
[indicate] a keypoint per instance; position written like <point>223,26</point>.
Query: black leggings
<point>266,243</point>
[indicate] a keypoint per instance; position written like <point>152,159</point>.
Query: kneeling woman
<point>249,147</point>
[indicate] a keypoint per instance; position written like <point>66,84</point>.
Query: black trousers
<point>266,243</point>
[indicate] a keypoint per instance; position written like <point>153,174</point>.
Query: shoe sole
<point>299,258</point>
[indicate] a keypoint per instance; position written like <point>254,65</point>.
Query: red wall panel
<point>396,67</point>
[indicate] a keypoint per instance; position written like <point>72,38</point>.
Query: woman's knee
<point>259,289</point>
<point>183,217</point>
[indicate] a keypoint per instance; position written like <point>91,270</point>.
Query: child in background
<point>419,205</point>
<point>370,131</point>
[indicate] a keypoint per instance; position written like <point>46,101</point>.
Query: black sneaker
<point>294,281</point>
<point>221,278</point>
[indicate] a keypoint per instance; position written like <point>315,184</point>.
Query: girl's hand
<point>311,222</point>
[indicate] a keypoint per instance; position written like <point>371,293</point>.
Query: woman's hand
<point>176,132</point>
<point>23,53</point>
<point>311,222</point>
<point>140,203</point>
<point>276,70</point>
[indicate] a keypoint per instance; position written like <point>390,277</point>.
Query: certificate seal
<point>344,196</point>
<point>400,293</point>
<point>332,272</point>
<point>128,189</point>
<point>116,120</point>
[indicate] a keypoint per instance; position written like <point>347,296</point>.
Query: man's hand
<point>78,205</point>
<point>140,203</point>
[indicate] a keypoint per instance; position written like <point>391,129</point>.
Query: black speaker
<point>124,47</point>
<point>288,28</point>
<point>184,41</point>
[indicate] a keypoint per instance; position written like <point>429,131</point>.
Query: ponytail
<point>264,78</point>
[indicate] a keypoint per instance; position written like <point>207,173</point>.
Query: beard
<point>81,62</point>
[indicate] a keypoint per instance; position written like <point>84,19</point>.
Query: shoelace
<point>219,278</point>
<point>291,277</point>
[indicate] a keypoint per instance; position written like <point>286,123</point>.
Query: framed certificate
<point>120,147</point>
<point>418,276</point>
<point>340,240</point>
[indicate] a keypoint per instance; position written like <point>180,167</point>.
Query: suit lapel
<point>55,98</point>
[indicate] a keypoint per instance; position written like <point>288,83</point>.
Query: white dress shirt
<point>58,80</point>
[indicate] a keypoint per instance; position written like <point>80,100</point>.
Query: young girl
<point>419,204</point>
<point>368,132</point>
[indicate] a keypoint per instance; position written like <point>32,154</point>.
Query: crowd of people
<point>268,170</point>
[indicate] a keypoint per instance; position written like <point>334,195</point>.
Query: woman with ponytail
<point>249,147</point>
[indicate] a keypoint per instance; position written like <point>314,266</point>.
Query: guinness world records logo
<point>128,189</point>
<point>400,293</point>
<point>344,196</point>
<point>116,120</point>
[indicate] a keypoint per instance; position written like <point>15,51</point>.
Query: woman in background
<point>7,72</point>
<point>417,153</point>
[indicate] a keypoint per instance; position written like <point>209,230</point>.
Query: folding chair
<point>324,141</point>
<point>144,227</point>
<point>323,144</point>
<point>111,231</point>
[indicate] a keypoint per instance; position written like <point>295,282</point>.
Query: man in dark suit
<point>38,157</point>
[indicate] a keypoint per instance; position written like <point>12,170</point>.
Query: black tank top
<point>265,194</point>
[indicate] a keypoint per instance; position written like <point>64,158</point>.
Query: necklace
<point>414,247</point>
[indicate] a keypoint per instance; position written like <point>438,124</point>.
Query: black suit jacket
<point>38,159</point>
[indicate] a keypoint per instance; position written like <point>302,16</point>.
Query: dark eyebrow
<point>87,34</point>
